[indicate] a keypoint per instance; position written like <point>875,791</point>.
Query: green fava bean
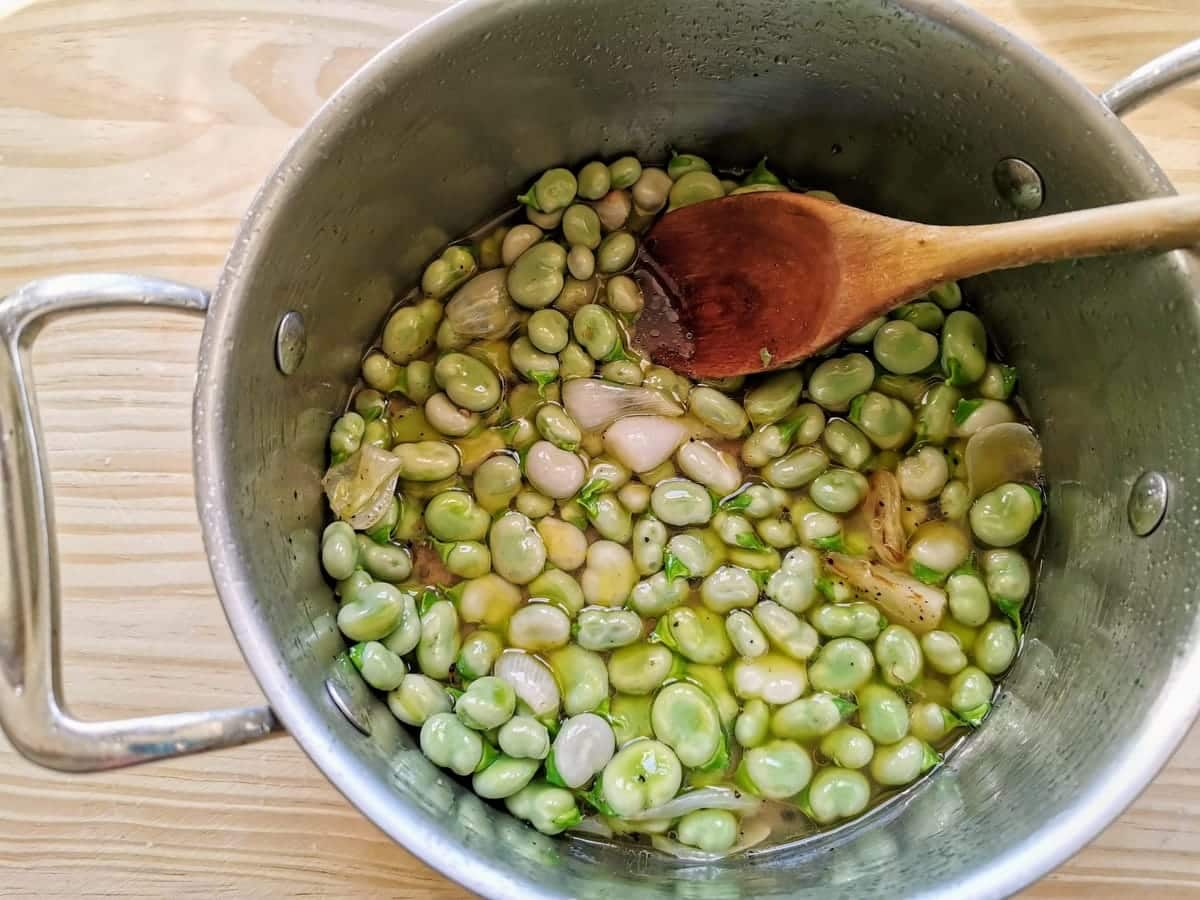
<point>559,588</point>
<point>835,382</point>
<point>478,653</point>
<point>504,777</point>
<point>582,747</point>
<point>518,552</point>
<point>622,371</point>
<point>777,770</point>
<point>935,416</point>
<point>581,226</point>
<point>745,635</point>
<point>866,334</point>
<point>524,737</point>
<point>549,809</point>
<point>694,187</point>
<point>678,501</point>
<point>682,163</point>
<point>968,599</point>
<point>838,490</point>
<point>380,667</point>
<point>794,586</point>
<point>810,717</point>
<point>442,414</point>
<point>407,634</point>
<point>998,382</point>
<point>902,763</point>
<point>554,190</point>
<point>531,503</point>
<point>641,776</point>
<point>347,435</point>
<point>615,252</point>
<point>418,698</point>
<point>944,652</point>
<point>575,362</point>
<point>995,647</point>
<point>686,720</point>
<point>656,595</point>
<point>728,588</point>
<point>836,793</point>
<point>925,315</point>
<point>496,482</point>
<point>555,425</point>
<point>773,678</point>
<point>455,516</point>
<point>955,499</point>
<point>848,747</point>
<point>548,330</point>
<point>339,551</point>
<point>372,614</point>
<point>583,677</point>
<point>624,296</point>
<point>649,544</point>
<point>410,330</point>
<point>903,348</point>
<point>594,180</point>
<point>640,668</point>
<point>427,460</point>
<point>774,397</point>
<point>630,717</point>
<point>899,656</point>
<point>466,559</point>
<point>882,713</point>
<point>440,640</point>
<point>1008,577</point>
<point>381,373</point>
<point>536,279</point>
<point>777,533</point>
<point>710,830</point>
<point>1003,516</point>
<point>786,631</point>
<point>846,445</point>
<point>931,722</point>
<point>844,664</point>
<point>467,381</point>
<point>385,562</point>
<point>796,469</point>
<point>697,634</point>
<point>862,621</point>
<point>450,744</point>
<point>964,348</point>
<point>444,274</point>
<point>722,414</point>
<point>611,519</point>
<point>596,330</point>
<point>625,172</point>
<point>347,589</point>
<point>752,724</point>
<point>487,703</point>
<point>886,421</point>
<point>604,629</point>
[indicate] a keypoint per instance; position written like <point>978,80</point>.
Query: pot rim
<point>1168,720</point>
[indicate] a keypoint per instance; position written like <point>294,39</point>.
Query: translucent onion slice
<point>713,797</point>
<point>1000,453</point>
<point>596,404</point>
<point>361,486</point>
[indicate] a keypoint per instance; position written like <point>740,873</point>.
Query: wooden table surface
<point>132,136</point>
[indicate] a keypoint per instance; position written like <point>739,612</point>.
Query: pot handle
<point>1155,77</point>
<point>32,712</point>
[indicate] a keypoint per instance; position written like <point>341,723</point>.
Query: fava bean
<point>651,189</point>
<point>944,652</point>
<point>728,588</point>
<point>487,703</point>
<point>685,719</point>
<point>583,677</point>
<point>518,552</point>
<point>634,497</point>
<point>641,776</point>
<point>549,809</point>
<point>478,653</point>
<point>902,763</point>
<point>845,444</point>
<point>489,600</point>
<point>372,614</point>
<point>504,777</point>
<point>848,747</point>
<point>535,279</point>
<point>882,713</point>
<point>440,640</point>
<point>1003,516</point>
<point>566,545</point>
<point>696,634</point>
<point>426,460</point>
<point>836,793</point>
<point>554,190</point>
<point>548,330</point>
<point>970,689</point>
<point>455,516</point>
<point>995,647</point>
<point>417,698</point>
<point>681,502</point>
<point>581,228</point>
<point>410,330</point>
<point>903,348</point>
<point>775,397</point>
<point>594,180</point>
<point>607,629</point>
<point>615,252</point>
<point>835,382</point>
<point>496,482</point>
<point>775,770</point>
<point>810,717</point>
<point>931,722</point>
<point>385,562</point>
<point>694,187</point>
<point>796,469</point>
<point>899,656</point>
<point>609,575</point>
<point>886,421</point>
<point>722,414</point>
<point>838,490</point>
<point>380,667</point>
<point>640,668</point>
<point>624,296</point>
<point>596,330</point>
<point>450,744</point>
<point>785,630</point>
<point>582,748</point>
<point>538,627</point>
<point>794,586</point>
<point>772,678</point>
<point>339,550</point>
<point>843,664</point>
<point>524,737</point>
<point>710,830</point>
<point>964,348</point>
<point>655,595</point>
<point>857,620</point>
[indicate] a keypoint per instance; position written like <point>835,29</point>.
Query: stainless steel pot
<point>905,106</point>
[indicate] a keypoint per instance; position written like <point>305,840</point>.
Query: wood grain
<point>132,136</point>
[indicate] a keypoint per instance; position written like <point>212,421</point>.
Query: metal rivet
<point>1019,184</point>
<point>290,342</point>
<point>1147,503</point>
<point>343,698</point>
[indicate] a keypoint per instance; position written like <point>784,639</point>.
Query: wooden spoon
<point>760,280</point>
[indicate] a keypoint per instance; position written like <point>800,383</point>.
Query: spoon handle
<point>1161,224</point>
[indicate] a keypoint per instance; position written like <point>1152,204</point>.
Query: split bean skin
<point>593,585</point>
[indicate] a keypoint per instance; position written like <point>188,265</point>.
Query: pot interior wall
<point>902,109</point>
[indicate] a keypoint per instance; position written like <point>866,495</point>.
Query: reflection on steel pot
<point>1048,770</point>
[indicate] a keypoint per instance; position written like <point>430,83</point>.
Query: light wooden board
<point>132,136</point>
